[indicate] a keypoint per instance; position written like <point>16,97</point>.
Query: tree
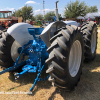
<point>39,17</point>
<point>92,9</point>
<point>26,11</point>
<point>17,13</point>
<point>33,18</point>
<point>75,9</point>
<point>49,16</point>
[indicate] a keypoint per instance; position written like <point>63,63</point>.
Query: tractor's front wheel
<point>65,60</point>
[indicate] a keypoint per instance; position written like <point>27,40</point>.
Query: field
<point>36,26</point>
<point>87,89</point>
<point>98,28</point>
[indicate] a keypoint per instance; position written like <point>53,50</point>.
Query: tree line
<point>72,10</point>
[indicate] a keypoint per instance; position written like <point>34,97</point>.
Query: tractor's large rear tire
<point>65,60</point>
<point>6,42</point>
<point>89,31</point>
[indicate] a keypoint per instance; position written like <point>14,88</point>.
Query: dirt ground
<point>87,89</point>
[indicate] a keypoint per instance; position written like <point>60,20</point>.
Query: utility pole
<point>43,8</point>
<point>56,11</point>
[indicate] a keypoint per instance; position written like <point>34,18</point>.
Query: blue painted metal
<point>37,78</point>
<point>43,79</point>
<point>35,31</point>
<point>36,50</point>
<point>12,68</point>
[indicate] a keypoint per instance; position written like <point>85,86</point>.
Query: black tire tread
<point>87,30</point>
<point>54,37</point>
<point>6,41</point>
<point>57,59</point>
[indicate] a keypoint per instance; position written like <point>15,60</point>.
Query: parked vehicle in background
<point>6,19</point>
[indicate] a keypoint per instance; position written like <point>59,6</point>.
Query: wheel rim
<point>75,58</point>
<point>93,41</point>
<point>14,52</point>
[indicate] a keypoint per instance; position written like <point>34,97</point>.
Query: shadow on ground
<point>87,89</point>
<point>89,86</point>
<point>30,78</point>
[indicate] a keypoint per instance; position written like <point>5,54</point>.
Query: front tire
<point>65,60</point>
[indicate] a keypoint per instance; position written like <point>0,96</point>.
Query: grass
<point>36,26</point>
<point>98,28</point>
<point>87,89</point>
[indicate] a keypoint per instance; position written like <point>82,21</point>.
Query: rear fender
<point>48,32</point>
<point>19,32</point>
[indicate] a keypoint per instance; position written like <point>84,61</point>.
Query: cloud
<point>47,9</point>
<point>9,9</point>
<point>20,7</point>
<point>30,2</point>
<point>39,11</point>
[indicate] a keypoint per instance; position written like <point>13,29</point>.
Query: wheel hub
<point>75,58</point>
<point>93,41</point>
<point>14,51</point>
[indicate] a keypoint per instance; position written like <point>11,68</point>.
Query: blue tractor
<point>62,46</point>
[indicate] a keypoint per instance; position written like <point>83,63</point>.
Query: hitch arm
<point>16,65</point>
<point>37,78</point>
<point>12,68</point>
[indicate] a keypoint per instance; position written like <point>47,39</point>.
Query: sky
<point>37,5</point>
